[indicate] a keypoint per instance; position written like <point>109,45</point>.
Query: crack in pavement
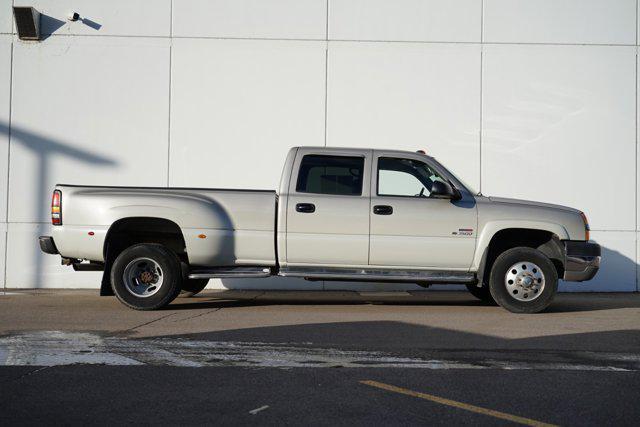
<point>124,331</point>
<point>213,310</point>
<point>27,374</point>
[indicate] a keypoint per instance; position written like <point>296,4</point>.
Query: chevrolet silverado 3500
<point>340,214</point>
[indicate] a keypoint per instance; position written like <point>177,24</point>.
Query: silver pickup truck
<point>340,214</point>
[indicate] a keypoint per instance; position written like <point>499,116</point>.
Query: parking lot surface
<point>318,358</point>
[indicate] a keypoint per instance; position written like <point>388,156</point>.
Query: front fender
<point>492,227</point>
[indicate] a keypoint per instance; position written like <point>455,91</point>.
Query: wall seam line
<point>326,71</point>
<point>326,90</point>
<point>326,25</point>
<point>6,231</point>
<point>326,81</point>
<point>293,39</point>
<point>481,89</point>
<point>170,90</point>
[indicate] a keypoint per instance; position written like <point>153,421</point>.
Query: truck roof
<point>317,147</point>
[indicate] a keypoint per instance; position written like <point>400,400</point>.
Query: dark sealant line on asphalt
<point>144,324</point>
<point>28,374</point>
<point>213,310</point>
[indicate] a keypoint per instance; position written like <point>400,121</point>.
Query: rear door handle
<point>382,210</point>
<point>305,208</point>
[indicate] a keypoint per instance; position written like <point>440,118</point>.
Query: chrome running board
<point>230,272</point>
<point>377,275</point>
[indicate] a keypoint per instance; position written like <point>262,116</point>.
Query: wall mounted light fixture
<point>27,22</point>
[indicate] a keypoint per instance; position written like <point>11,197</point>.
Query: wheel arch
<point>129,231</point>
<point>545,239</point>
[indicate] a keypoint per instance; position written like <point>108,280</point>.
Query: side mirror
<point>443,190</point>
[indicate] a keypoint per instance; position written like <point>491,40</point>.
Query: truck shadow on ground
<point>563,303</point>
<point>406,337</point>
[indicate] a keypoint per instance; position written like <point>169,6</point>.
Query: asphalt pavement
<point>71,357</point>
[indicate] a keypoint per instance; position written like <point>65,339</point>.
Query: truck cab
<point>375,208</point>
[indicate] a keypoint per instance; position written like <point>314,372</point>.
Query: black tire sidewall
<point>482,293</point>
<point>500,292</point>
<point>172,280</point>
<point>191,287</point>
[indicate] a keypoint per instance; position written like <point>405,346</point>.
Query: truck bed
<point>219,226</point>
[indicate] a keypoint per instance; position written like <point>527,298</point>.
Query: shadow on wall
<point>49,25</point>
<point>618,273</point>
<point>45,149</point>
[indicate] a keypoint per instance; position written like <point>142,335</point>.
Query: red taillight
<point>56,208</point>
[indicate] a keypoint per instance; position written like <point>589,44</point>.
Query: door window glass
<point>405,177</point>
<point>340,175</point>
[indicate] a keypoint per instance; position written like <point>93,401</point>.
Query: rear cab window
<point>336,175</point>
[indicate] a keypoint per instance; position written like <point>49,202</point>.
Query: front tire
<point>146,276</point>
<point>523,280</point>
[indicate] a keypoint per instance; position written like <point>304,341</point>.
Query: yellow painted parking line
<point>459,405</point>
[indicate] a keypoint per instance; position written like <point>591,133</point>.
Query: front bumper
<point>47,245</point>
<point>582,260</point>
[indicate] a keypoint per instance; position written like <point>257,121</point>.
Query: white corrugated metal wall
<point>533,99</point>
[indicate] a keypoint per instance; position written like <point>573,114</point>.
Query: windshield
<point>469,188</point>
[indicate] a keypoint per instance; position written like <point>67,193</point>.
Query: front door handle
<point>382,210</point>
<point>305,208</point>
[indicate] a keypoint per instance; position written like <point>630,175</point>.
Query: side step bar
<point>230,272</point>
<point>345,274</point>
<point>373,275</point>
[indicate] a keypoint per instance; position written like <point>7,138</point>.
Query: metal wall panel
<point>560,21</point>
<point>86,111</point>
<point>268,19</point>
<point>559,126</point>
<point>409,97</point>
<point>405,20</point>
<point>238,106</point>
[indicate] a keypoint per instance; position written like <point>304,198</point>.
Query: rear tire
<point>146,276</point>
<point>482,293</point>
<point>523,280</point>
<point>191,287</point>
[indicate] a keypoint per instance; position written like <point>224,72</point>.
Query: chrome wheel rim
<point>524,281</point>
<point>143,277</point>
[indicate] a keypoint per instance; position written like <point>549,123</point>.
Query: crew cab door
<point>328,208</point>
<point>411,229</point>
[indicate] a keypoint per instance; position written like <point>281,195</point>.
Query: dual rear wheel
<point>149,276</point>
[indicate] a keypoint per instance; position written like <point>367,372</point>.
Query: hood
<point>531,203</point>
